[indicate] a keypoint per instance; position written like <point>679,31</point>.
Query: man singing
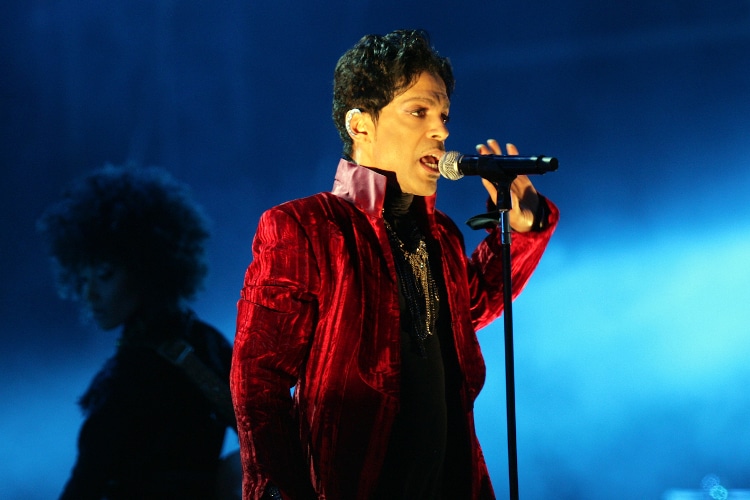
<point>364,301</point>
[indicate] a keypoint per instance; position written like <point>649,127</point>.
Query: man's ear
<point>359,125</point>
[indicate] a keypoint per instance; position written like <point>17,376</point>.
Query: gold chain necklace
<point>419,283</point>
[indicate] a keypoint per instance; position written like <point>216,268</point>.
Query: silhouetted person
<point>363,299</point>
<point>128,244</point>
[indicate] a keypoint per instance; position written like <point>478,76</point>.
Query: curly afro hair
<point>140,218</point>
<point>370,74</point>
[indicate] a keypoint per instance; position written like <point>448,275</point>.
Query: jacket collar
<point>365,189</point>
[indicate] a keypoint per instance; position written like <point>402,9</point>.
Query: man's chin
<point>429,189</point>
<point>424,188</point>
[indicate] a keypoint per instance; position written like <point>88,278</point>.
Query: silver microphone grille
<point>448,165</point>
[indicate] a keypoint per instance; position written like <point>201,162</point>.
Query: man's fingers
<point>493,147</point>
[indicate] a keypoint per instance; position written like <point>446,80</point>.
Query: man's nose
<point>439,131</point>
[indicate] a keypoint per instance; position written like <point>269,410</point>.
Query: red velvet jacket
<point>319,312</point>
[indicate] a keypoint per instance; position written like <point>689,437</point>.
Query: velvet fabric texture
<point>319,312</point>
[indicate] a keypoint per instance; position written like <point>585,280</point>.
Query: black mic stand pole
<point>503,189</point>
<point>504,205</point>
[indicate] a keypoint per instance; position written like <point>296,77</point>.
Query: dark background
<point>631,339</point>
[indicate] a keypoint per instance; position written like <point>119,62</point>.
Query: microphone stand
<point>504,205</point>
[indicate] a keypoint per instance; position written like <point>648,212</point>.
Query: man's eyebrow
<point>432,98</point>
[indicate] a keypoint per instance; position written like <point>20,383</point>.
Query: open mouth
<point>430,161</point>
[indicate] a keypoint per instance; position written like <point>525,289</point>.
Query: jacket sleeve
<point>485,268</point>
<point>276,317</point>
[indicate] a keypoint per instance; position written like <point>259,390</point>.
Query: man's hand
<point>524,198</point>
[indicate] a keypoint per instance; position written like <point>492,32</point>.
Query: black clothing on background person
<point>148,430</point>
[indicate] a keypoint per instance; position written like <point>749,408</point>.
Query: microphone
<point>453,165</point>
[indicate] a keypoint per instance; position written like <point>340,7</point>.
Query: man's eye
<point>445,118</point>
<point>419,112</point>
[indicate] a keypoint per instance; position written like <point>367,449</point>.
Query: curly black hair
<point>369,75</point>
<point>140,218</point>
